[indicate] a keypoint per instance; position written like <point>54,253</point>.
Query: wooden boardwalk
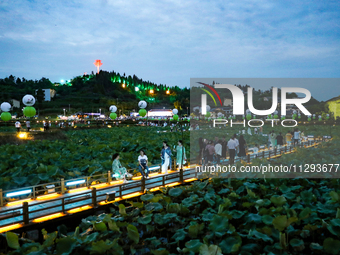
<point>55,205</point>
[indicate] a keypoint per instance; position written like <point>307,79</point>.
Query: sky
<point>170,42</point>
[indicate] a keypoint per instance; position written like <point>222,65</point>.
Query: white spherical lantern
<point>113,108</point>
<point>247,111</point>
<point>5,107</point>
<point>142,104</point>
<point>294,111</point>
<point>28,100</point>
<point>208,108</point>
<point>175,111</point>
<point>276,112</point>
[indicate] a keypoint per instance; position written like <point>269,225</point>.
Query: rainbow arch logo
<point>209,93</point>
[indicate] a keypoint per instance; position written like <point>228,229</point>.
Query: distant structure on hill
<point>334,106</point>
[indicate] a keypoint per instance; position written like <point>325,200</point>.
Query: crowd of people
<point>121,172</point>
<point>214,151</point>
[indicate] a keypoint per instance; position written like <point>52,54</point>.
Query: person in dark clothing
<point>224,148</point>
<point>242,147</point>
<point>279,140</point>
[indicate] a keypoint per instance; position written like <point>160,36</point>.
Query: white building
<point>48,93</point>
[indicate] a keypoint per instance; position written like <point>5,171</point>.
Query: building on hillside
<point>227,102</point>
<point>226,110</point>
<point>15,103</point>
<point>48,94</point>
<point>334,106</point>
<point>160,113</point>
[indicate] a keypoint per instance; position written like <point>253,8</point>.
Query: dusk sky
<point>170,42</point>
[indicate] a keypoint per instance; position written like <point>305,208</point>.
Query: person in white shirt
<point>218,150</point>
<point>18,125</point>
<point>232,149</point>
<point>143,164</point>
<point>296,136</point>
<point>256,151</point>
<point>28,125</point>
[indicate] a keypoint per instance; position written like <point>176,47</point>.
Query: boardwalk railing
<point>34,211</point>
<point>62,186</point>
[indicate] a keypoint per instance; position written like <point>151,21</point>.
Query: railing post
<point>120,191</point>
<point>1,199</point>
<point>263,154</point>
<point>25,215</point>
<point>109,179</point>
<point>275,151</point>
<point>63,204</point>
<point>62,184</point>
<point>163,180</point>
<point>269,154</point>
<point>181,178</point>
<point>33,190</point>
<point>94,197</point>
<point>142,184</point>
<point>248,158</point>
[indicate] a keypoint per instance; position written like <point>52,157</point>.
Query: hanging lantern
<point>320,118</point>
<point>142,112</point>
<point>6,116</point>
<point>29,111</point>
<point>5,107</point>
<point>208,114</point>
<point>175,111</point>
<point>113,115</point>
<point>113,108</point>
<point>28,100</point>
<point>248,116</point>
<point>313,116</point>
<point>142,104</point>
<point>327,116</point>
<point>283,117</point>
<point>269,116</point>
<point>276,116</point>
<point>175,117</point>
<point>299,116</point>
<point>309,118</point>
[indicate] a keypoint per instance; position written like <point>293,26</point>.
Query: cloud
<point>170,41</point>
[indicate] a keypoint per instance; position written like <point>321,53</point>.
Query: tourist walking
<point>289,138</point>
<point>28,125</point>
<point>296,137</point>
<point>181,157</point>
<point>218,151</point>
<point>279,140</point>
<point>237,145</point>
<point>224,148</point>
<point>210,150</point>
<point>166,157</point>
<point>17,126</point>
<point>272,137</point>
<point>242,147</point>
<point>232,148</point>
